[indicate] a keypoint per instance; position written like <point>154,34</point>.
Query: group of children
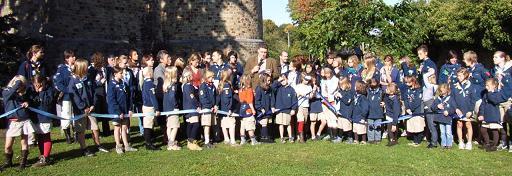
<point>359,103</point>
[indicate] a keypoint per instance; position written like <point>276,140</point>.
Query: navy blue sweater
<point>80,92</point>
<point>43,101</point>
<point>346,106</point>
<point>490,106</point>
<point>13,100</point>
<point>478,76</point>
<point>374,99</point>
<point>148,94</point>
<point>29,69</point>
<point>286,99</point>
<point>190,99</point>
<point>117,99</point>
<point>360,108</point>
<point>449,105</point>
<point>263,100</point>
<point>448,72</point>
<point>506,81</point>
<point>465,96</point>
<point>413,100</point>
<point>171,100</point>
<point>392,105</point>
<point>207,95</point>
<point>61,80</point>
<point>225,102</point>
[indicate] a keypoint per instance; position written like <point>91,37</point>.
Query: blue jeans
<point>430,123</point>
<point>446,134</point>
<point>374,133</point>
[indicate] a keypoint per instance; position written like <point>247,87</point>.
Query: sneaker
<point>415,145</point>
<point>173,147</point>
<point>152,147</point>
<point>404,133</point>
<point>226,142</point>
<point>469,146</point>
<point>234,144</point>
<point>392,143</point>
<point>326,137</point>
<point>462,145</point>
<point>255,142</point>
<point>88,153</point>
<point>384,135</point>
<point>196,147</point>
<point>356,142</point>
<point>317,137</point>
<point>119,149</point>
<point>431,146</point>
<point>243,142</point>
<point>363,143</point>
<point>291,140</point>
<point>501,147</point>
<point>510,150</point>
<point>102,149</point>
<point>283,141</point>
<point>350,141</point>
<point>42,162</point>
<point>209,146</point>
<point>130,149</point>
<point>337,140</point>
<point>411,144</point>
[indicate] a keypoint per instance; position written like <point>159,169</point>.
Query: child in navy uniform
<point>61,81</point>
<point>445,105</point>
<point>42,97</point>
<point>412,98</point>
<point>315,106</point>
<point>19,124</point>
<point>225,103</point>
<point>119,103</point>
<point>345,98</point>
<point>191,102</point>
<point>465,95</point>
<point>360,113</point>
<point>393,110</point>
<point>489,114</point>
<point>376,112</point>
<point>81,95</point>
<point>263,103</point>
<point>149,105</point>
<point>172,90</point>
<point>207,97</point>
<point>286,103</point>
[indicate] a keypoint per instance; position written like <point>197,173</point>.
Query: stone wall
<point>114,25</point>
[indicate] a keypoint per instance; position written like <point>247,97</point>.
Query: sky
<point>277,10</point>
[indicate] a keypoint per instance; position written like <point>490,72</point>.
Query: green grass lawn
<point>321,157</point>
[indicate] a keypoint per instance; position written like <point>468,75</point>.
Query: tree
<point>276,38</point>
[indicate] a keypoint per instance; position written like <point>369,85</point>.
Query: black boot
<point>67,133</point>
<point>148,132</point>
<point>8,161</point>
<point>24,156</point>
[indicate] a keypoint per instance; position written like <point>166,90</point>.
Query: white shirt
<point>329,87</point>
<point>302,90</point>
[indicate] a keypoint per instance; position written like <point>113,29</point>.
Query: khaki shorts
<point>248,123</point>
<point>173,121</point>
<point>193,119</point>
<point>43,128</point>
<point>492,125</point>
<point>331,118</point>
<point>302,114</point>
<point>416,124</point>
<point>208,119</point>
<point>344,124</point>
<point>18,128</point>
<point>283,119</point>
<point>263,122</point>
<point>313,117</point>
<point>503,110</point>
<point>92,123</point>
<point>80,125</point>
<point>360,128</point>
<point>148,121</point>
<point>119,122</point>
<point>227,122</point>
<point>66,111</point>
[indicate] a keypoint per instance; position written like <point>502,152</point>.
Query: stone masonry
<point>182,26</point>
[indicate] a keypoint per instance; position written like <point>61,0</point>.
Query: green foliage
<point>347,24</point>
<point>277,39</point>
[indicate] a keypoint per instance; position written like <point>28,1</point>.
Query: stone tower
<point>180,26</point>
